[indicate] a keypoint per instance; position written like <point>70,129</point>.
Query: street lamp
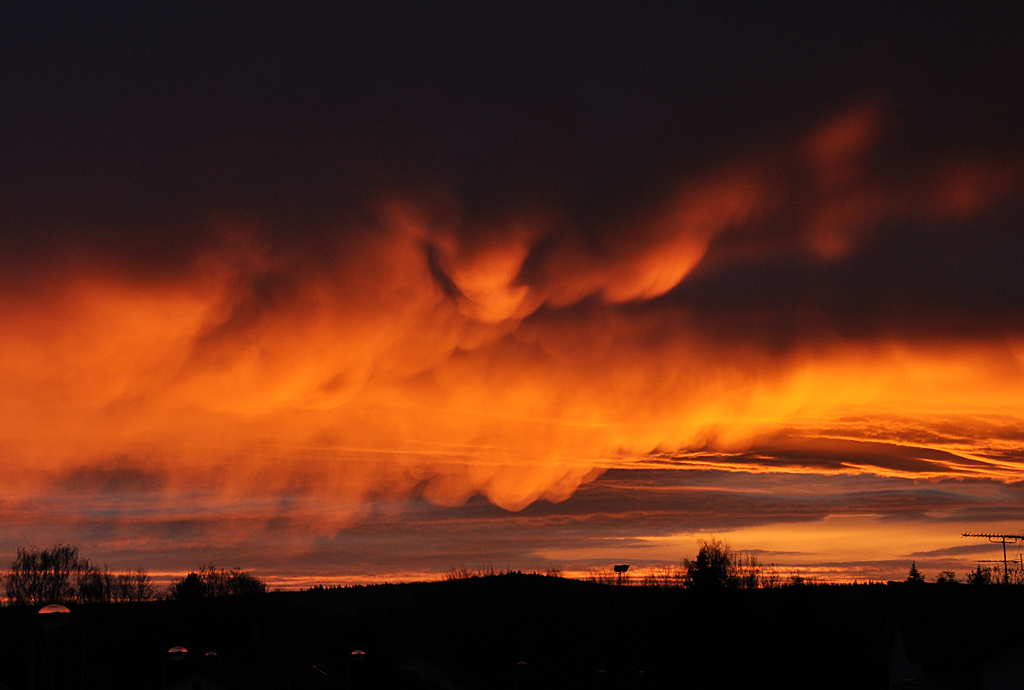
<point>210,658</point>
<point>53,616</point>
<point>355,656</point>
<point>520,669</point>
<point>173,654</point>
<point>50,616</point>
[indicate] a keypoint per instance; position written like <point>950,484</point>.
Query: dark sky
<point>148,118</point>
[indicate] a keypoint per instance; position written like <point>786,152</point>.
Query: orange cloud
<point>417,356</point>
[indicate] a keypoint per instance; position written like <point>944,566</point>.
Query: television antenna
<point>999,539</point>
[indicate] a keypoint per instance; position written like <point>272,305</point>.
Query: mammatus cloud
<point>340,290</point>
<point>414,353</point>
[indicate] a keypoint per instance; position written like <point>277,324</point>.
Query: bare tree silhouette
<point>980,576</point>
<point>58,574</point>
<point>43,576</point>
<point>209,581</point>
<point>713,566</point>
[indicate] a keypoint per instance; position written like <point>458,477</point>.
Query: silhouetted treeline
<point>474,632</point>
<point>59,574</point>
<point>209,581</point>
<point>716,565</point>
<point>981,575</point>
<point>469,633</point>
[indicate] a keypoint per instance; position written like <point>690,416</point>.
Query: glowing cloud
<point>466,362</point>
<point>281,306</point>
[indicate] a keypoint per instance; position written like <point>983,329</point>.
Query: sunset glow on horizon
<point>356,364</point>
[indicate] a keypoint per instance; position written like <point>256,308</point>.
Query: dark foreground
<point>475,634</point>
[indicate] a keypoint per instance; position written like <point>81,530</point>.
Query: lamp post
<point>520,669</point>
<point>53,616</point>
<point>355,656</point>
<point>49,617</point>
<point>173,654</point>
<point>210,658</point>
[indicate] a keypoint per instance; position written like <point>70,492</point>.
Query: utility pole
<point>997,539</point>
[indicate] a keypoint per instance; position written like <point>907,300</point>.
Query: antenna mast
<point>997,539</point>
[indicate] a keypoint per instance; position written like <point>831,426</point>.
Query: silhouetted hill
<point>472,634</point>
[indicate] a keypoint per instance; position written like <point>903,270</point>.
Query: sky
<point>346,292</point>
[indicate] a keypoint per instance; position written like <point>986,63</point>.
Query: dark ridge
<point>473,633</point>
